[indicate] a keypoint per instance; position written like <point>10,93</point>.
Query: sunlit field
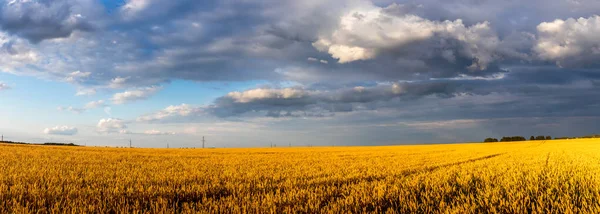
<point>557,176</point>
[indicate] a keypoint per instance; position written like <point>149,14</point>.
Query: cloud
<point>139,10</point>
<point>85,92</point>
<point>123,131</point>
<point>4,86</point>
<point>135,95</point>
<point>172,113</point>
<point>88,106</point>
<point>134,6</point>
<point>156,132</point>
<point>521,85</point>
<point>15,53</point>
<point>147,132</point>
<point>311,59</point>
<point>71,109</point>
<point>110,125</point>
<point>77,76</point>
<point>37,21</point>
<point>152,42</point>
<point>155,41</point>
<point>95,104</point>
<point>570,42</point>
<point>444,124</point>
<point>107,111</point>
<point>266,93</point>
<point>61,130</point>
<point>313,102</point>
<point>303,102</point>
<point>118,82</point>
<point>368,30</point>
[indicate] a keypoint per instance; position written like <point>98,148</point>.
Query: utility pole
<point>130,143</point>
<point>167,145</point>
<point>203,142</point>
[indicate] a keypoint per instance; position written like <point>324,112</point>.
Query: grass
<point>558,176</point>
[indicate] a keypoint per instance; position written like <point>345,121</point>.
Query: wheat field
<point>558,176</point>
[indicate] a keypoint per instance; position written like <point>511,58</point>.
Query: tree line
<point>517,138</point>
<point>44,144</point>
<point>587,136</point>
<point>540,137</point>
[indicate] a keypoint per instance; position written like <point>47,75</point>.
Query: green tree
<point>489,139</point>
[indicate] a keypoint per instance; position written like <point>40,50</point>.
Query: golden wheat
<point>559,176</point>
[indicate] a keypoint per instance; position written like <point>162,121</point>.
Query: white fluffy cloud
<point>95,104</point>
<point>61,130</point>
<point>312,59</point>
<point>368,30</point>
<point>570,40</point>
<point>111,125</point>
<point>77,76</point>
<point>133,95</point>
<point>15,53</point>
<point>182,110</point>
<point>133,6</point>
<point>266,93</point>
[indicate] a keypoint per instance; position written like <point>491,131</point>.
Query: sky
<point>251,73</point>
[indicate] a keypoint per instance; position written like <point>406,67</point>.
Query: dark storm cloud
<point>40,20</point>
<point>507,16</point>
<point>522,92</point>
<point>299,102</point>
<point>154,41</point>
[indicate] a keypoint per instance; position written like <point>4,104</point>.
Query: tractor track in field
<point>537,144</point>
<point>375,178</point>
<point>433,168</point>
<point>405,173</point>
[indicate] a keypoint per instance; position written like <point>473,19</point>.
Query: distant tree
<point>58,144</point>
<point>532,137</point>
<point>513,138</point>
<point>489,139</point>
<point>540,137</point>
<point>548,137</point>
